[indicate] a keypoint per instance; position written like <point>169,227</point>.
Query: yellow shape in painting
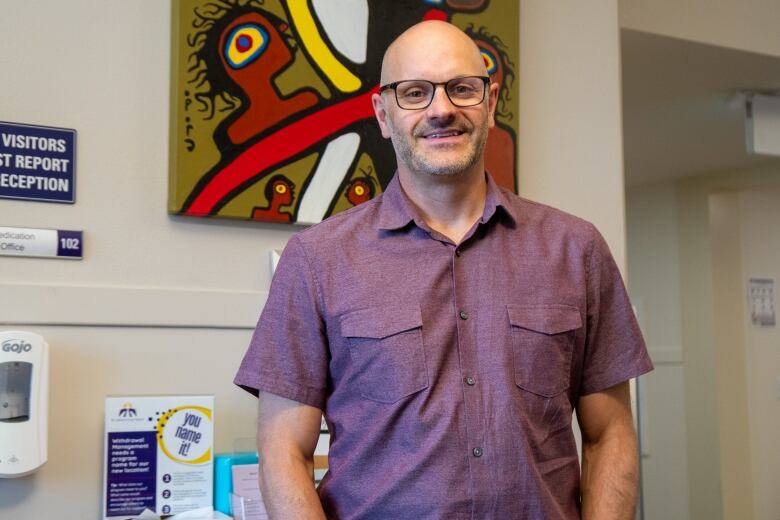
<point>338,74</point>
<point>359,191</point>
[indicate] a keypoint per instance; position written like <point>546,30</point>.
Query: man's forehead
<point>432,50</point>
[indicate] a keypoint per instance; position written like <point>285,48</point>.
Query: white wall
<point>653,261</point>
<point>166,305</point>
<point>570,142</point>
<point>749,25</point>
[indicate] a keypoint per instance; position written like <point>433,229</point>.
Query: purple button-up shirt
<point>447,373</point>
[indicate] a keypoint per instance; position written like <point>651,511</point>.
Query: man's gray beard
<point>416,162</point>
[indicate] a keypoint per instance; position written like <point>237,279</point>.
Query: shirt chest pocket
<point>386,350</point>
<point>543,339</point>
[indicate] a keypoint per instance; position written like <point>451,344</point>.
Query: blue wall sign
<point>37,163</point>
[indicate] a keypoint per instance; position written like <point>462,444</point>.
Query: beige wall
<point>749,25</point>
<point>718,230</point>
<point>166,305</point>
<point>571,148</point>
<point>728,308</point>
<point>760,234</point>
<point>744,371</point>
<point>698,355</point>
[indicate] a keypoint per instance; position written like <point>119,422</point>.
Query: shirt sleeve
<point>288,354</point>
<point>614,348</point>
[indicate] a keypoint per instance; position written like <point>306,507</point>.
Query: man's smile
<point>439,134</point>
<point>446,135</point>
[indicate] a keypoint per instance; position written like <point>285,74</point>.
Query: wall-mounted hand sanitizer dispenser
<point>24,408</point>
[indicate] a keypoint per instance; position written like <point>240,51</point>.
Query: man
<point>447,329</point>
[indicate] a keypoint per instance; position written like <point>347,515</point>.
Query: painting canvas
<point>271,117</point>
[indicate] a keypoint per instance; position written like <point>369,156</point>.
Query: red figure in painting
<point>278,193</point>
<point>360,190</point>
<point>253,54</point>
<point>500,146</point>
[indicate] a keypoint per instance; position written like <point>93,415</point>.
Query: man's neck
<point>449,204</point>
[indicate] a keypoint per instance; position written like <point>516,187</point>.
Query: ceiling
<point>681,115</point>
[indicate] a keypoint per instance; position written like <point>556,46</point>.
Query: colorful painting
<point>271,117</point>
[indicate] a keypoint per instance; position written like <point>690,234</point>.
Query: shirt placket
<point>477,453</point>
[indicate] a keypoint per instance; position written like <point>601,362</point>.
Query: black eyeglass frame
<point>393,85</point>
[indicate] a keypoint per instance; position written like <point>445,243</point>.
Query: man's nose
<point>441,106</point>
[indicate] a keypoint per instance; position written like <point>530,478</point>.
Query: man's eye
<point>462,90</point>
<point>414,94</point>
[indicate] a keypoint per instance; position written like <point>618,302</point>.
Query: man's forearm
<point>287,433</point>
<point>288,489</point>
<point>610,477</point>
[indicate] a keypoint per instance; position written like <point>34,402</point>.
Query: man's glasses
<point>417,94</point>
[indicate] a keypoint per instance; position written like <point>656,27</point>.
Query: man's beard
<point>431,163</point>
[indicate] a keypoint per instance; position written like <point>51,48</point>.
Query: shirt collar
<point>496,198</point>
<point>397,211</point>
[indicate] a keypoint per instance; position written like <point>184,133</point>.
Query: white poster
<point>761,293</point>
<point>159,455</point>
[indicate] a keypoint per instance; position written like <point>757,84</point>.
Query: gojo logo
<point>16,345</point>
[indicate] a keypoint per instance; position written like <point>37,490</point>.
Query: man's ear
<point>492,102</point>
<point>381,114</point>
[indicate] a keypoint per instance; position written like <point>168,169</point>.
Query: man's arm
<point>609,455</point>
<point>287,433</point>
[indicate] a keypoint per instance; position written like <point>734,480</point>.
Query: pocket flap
<point>547,319</point>
<point>380,322</point>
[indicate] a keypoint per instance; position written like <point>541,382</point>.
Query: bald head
<point>431,47</point>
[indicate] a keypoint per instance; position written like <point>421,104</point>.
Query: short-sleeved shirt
<point>447,373</point>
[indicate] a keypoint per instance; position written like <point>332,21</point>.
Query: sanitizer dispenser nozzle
<point>24,408</point>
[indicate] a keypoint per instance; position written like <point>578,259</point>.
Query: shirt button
<point>458,252</point>
<point>464,315</point>
<point>471,381</point>
<point>477,452</point>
